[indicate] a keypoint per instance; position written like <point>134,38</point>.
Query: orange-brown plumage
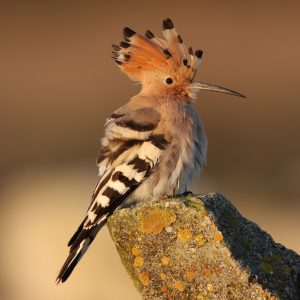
<point>140,56</point>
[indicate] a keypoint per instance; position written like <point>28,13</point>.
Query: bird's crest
<point>138,55</point>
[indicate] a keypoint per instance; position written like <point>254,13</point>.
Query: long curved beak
<point>215,88</point>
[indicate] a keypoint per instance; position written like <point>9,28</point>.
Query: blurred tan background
<point>57,86</point>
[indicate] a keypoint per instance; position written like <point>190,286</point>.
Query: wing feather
<point>130,152</point>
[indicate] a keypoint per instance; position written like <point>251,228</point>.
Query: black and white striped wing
<point>131,149</point>
<point>119,180</point>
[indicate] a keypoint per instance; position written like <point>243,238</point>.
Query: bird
<point>155,145</point>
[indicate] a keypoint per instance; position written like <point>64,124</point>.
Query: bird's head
<point>163,66</point>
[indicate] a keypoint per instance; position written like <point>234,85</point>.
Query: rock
<point>200,247</point>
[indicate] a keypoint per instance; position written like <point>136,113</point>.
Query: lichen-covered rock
<point>200,247</point>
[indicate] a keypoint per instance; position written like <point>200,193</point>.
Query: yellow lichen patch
<point>156,220</point>
<point>138,261</point>
<point>135,251</point>
<point>163,276</point>
<point>190,274</point>
<point>200,239</point>
<point>165,260</point>
<point>218,236</point>
<point>179,285</point>
<point>164,289</point>
<point>184,235</point>
<point>210,287</point>
<point>127,246</point>
<point>144,278</point>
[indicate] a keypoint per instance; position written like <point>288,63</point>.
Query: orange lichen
<point>200,239</point>
<point>165,260</point>
<point>179,285</point>
<point>266,295</point>
<point>144,278</point>
<point>262,293</point>
<point>138,261</point>
<point>218,236</point>
<point>163,276</point>
<point>206,272</point>
<point>184,235</point>
<point>170,295</point>
<point>156,220</point>
<point>218,269</point>
<point>190,274</point>
<point>135,251</point>
<point>164,289</point>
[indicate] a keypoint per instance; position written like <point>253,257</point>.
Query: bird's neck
<point>158,97</point>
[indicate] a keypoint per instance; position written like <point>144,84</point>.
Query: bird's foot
<point>187,193</point>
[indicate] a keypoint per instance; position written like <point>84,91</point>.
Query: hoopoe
<point>154,145</point>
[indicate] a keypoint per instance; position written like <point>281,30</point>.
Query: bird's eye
<point>169,80</point>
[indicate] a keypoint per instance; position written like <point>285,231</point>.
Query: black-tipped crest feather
<point>128,33</point>
<point>168,24</point>
<point>199,53</point>
<point>124,44</point>
<point>149,34</point>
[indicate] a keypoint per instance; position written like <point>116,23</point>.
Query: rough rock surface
<point>200,247</point>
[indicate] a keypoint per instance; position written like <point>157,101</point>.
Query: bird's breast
<point>183,158</point>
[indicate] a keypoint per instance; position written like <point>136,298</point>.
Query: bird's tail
<point>78,244</point>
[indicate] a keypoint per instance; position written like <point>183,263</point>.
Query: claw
<point>187,193</point>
